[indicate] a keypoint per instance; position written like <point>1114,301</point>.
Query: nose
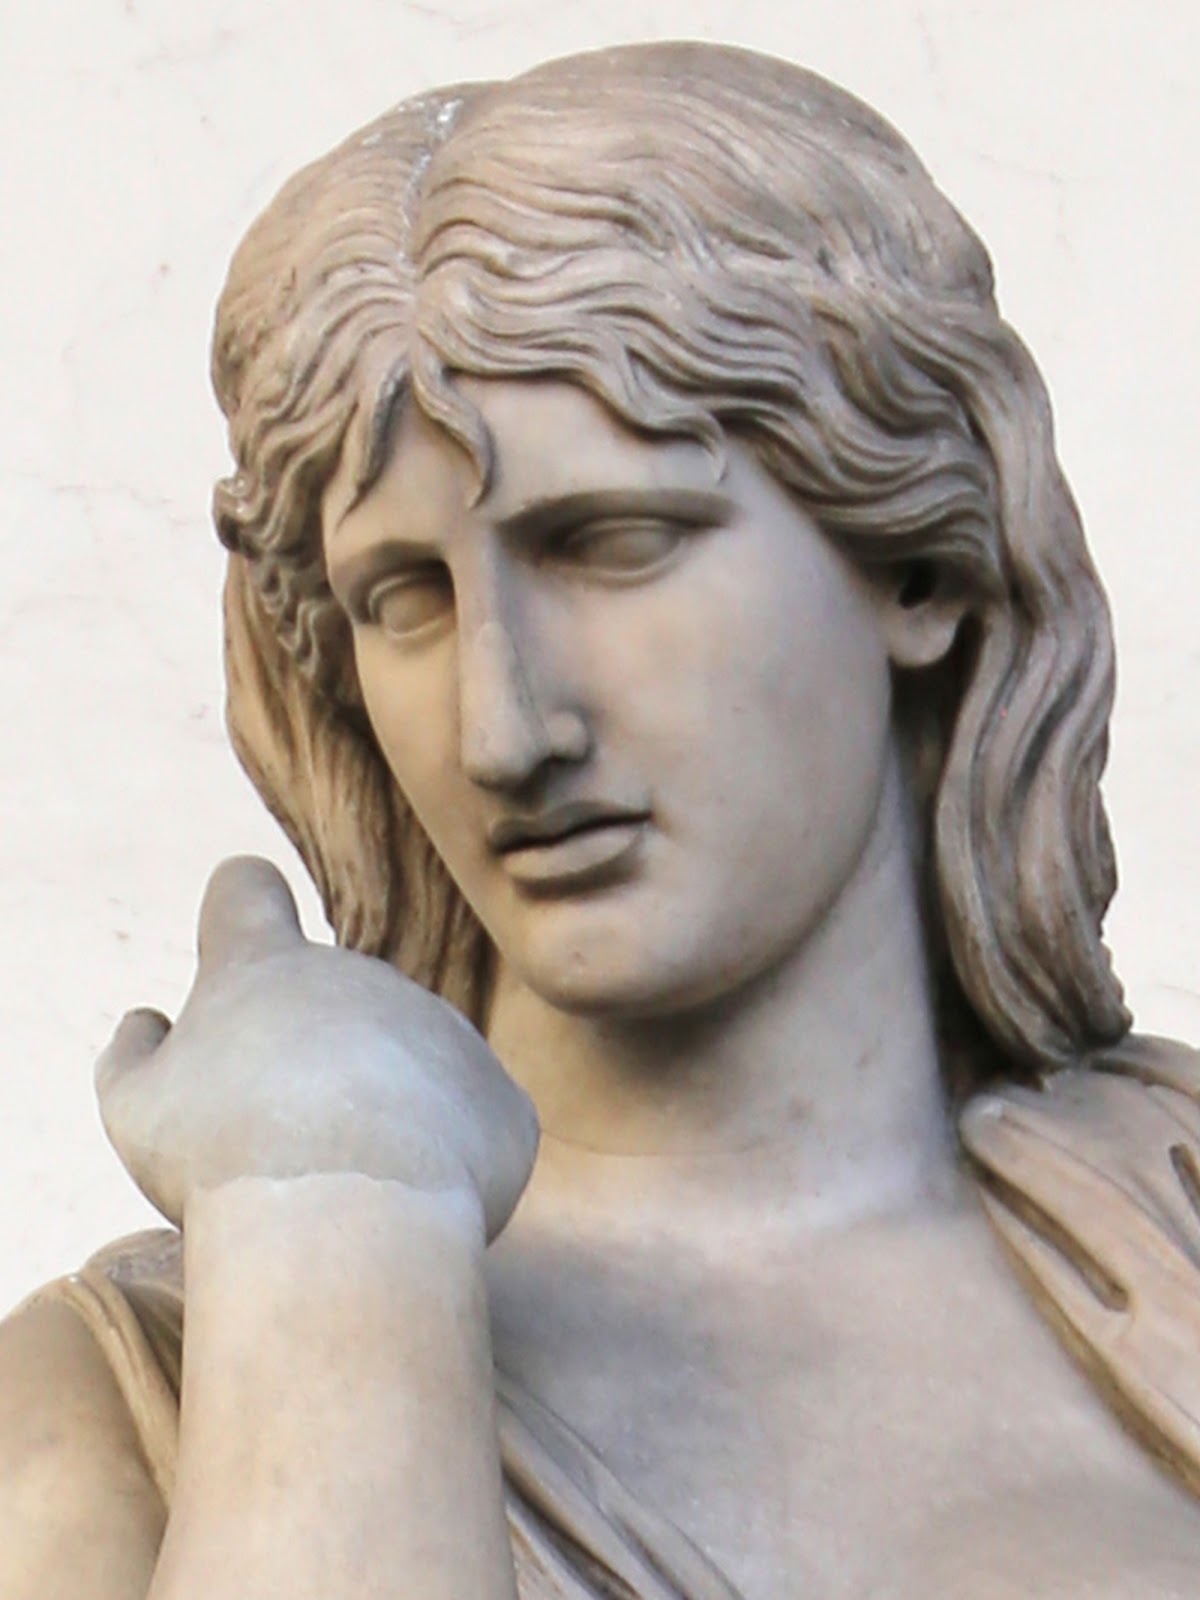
<point>506,729</point>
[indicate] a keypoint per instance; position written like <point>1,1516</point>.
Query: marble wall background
<point>139,137</point>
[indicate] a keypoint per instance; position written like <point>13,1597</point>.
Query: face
<point>641,709</point>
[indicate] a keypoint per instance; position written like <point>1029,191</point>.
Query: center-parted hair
<point>717,245</point>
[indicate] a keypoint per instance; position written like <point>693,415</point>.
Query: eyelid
<point>583,534</point>
<point>357,595</point>
<point>585,544</point>
<point>355,577</point>
<point>372,592</point>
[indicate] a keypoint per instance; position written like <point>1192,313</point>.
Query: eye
<point>623,548</point>
<point>405,604</point>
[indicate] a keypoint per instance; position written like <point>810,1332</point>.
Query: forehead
<point>550,439</point>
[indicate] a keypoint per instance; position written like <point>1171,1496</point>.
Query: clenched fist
<point>290,1059</point>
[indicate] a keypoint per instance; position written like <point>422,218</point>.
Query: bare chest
<point>873,1429</point>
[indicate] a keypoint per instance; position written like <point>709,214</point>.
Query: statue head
<point>722,248</point>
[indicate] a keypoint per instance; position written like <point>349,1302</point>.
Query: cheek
<point>413,717</point>
<point>764,696</point>
<point>768,722</point>
<point>827,712</point>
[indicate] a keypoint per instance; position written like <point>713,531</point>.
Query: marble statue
<point>656,614</point>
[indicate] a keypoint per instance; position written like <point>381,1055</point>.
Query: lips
<point>558,823</point>
<point>570,845</point>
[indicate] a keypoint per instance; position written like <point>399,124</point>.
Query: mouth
<point>569,846</point>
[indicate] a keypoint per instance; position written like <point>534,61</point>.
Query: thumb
<point>139,1034</point>
<point>127,1110</point>
<point>247,912</point>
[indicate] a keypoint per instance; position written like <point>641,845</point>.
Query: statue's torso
<point>877,1414</point>
<point>881,1414</point>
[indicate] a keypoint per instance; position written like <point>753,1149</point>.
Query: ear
<point>919,612</point>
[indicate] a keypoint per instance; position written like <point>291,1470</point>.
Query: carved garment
<point>1092,1182</point>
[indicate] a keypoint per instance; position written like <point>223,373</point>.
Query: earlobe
<point>919,615</point>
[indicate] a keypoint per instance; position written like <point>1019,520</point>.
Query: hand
<point>290,1059</point>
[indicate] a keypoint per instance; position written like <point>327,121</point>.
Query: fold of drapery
<point>1093,1183</point>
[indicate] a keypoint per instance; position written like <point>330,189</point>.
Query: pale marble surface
<point>139,139</point>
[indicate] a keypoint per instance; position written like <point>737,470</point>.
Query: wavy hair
<point>718,245</point>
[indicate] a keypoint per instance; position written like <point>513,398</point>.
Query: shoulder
<point>1092,1180</point>
<point>1153,1061</point>
<point>1119,1114</point>
<point>1099,1155</point>
<point>80,1512</point>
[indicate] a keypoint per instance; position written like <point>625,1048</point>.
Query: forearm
<point>337,1434</point>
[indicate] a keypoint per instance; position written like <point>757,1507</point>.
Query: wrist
<point>320,1269</point>
<point>317,1211</point>
<point>359,1295</point>
<point>337,1377</point>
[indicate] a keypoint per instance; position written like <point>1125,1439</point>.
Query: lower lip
<point>594,856</point>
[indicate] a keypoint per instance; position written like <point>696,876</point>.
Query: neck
<point>809,1099</point>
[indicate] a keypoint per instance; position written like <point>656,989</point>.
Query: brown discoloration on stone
<point>656,613</point>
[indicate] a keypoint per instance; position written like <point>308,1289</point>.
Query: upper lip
<point>557,822</point>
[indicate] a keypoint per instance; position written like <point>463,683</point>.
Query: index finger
<point>247,913</point>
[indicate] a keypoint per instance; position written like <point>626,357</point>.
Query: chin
<point>621,979</point>
<point>584,990</point>
<point>612,971</point>
<point>624,963</point>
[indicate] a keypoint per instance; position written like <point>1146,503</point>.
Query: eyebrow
<point>533,522</point>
